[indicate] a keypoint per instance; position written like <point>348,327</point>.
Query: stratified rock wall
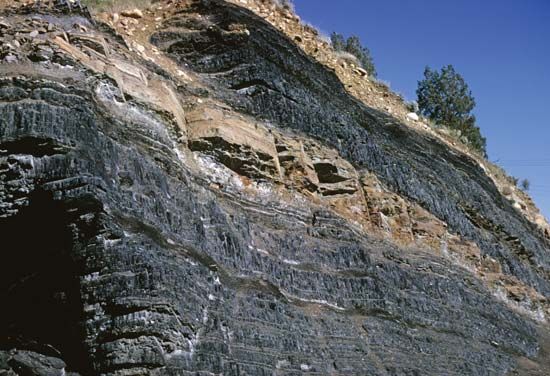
<point>280,89</point>
<point>223,206</point>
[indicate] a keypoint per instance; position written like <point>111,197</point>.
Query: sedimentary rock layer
<point>245,216</point>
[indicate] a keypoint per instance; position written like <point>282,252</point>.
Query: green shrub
<point>353,46</point>
<point>444,97</point>
<point>412,106</point>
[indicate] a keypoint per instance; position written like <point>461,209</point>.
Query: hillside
<point>205,188</point>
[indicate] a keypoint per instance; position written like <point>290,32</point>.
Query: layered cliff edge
<point>201,188</point>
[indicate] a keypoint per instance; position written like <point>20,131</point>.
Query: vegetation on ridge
<point>444,98</point>
<point>525,184</point>
<point>353,46</point>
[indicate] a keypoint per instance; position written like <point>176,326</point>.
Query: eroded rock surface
<point>223,206</point>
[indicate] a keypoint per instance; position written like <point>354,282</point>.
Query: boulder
<point>243,146</point>
<point>412,116</point>
<point>132,13</point>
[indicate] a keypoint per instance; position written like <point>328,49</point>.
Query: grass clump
<point>114,6</point>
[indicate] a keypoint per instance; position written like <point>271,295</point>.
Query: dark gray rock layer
<point>120,258</point>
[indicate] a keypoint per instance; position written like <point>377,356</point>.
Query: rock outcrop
<point>192,194</point>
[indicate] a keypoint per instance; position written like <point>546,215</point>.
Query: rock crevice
<point>195,195</point>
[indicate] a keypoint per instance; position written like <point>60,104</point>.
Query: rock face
<point>223,206</point>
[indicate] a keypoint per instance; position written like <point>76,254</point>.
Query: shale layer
<point>186,191</point>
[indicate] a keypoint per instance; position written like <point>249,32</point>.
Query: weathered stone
<point>31,363</point>
<point>244,147</point>
<point>360,71</point>
<point>132,13</point>
<point>132,243</point>
<point>412,116</point>
<point>296,165</point>
<point>10,59</point>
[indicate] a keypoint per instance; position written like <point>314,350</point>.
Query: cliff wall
<point>186,191</point>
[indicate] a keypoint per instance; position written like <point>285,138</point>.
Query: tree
<point>475,139</point>
<point>338,42</point>
<point>353,46</point>
<point>525,184</point>
<point>444,97</point>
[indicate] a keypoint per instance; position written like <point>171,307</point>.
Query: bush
<point>347,57</point>
<point>412,106</point>
<point>353,46</point>
<point>444,97</point>
<point>525,184</point>
<point>285,4</point>
<point>472,136</point>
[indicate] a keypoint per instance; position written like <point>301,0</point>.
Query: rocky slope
<point>186,191</point>
<point>377,94</point>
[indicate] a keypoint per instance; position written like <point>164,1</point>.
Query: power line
<point>523,160</point>
<point>534,164</point>
<point>526,161</point>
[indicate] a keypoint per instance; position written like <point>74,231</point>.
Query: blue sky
<point>501,48</point>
